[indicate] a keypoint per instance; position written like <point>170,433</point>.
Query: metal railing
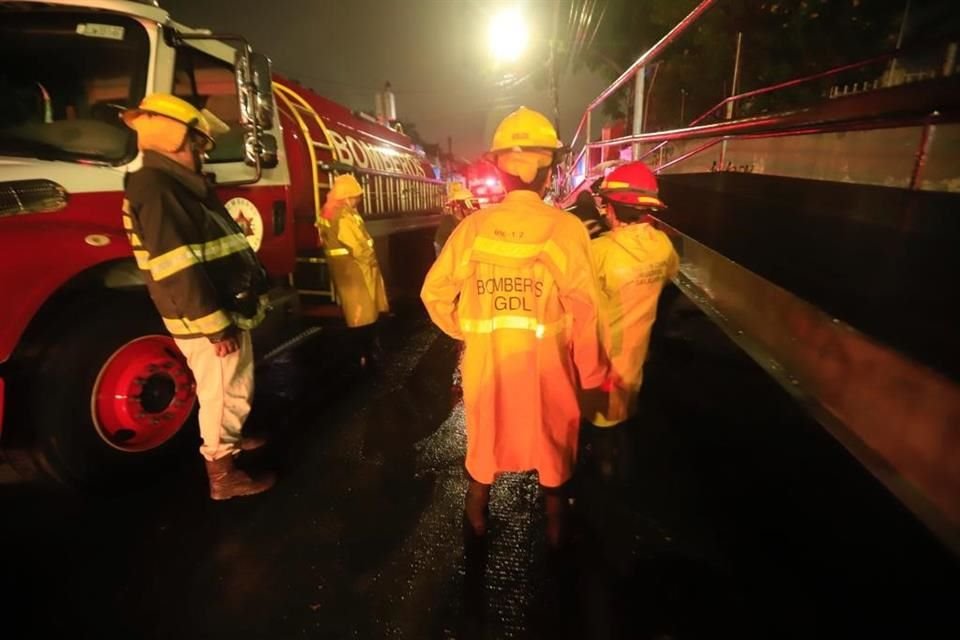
<point>639,64</point>
<point>390,194</point>
<point>729,127</point>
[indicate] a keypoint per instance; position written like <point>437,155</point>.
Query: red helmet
<point>632,184</point>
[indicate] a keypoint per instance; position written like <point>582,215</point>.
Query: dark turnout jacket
<point>201,272</point>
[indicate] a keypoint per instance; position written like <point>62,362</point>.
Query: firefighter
<point>515,283</point>
<point>460,204</point>
<point>353,265</point>
<point>202,275</point>
<point>633,263</point>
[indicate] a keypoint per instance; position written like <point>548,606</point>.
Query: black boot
<point>555,506</point>
<point>475,507</point>
<point>371,354</point>
<point>606,452</point>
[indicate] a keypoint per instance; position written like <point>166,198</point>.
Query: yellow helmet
<point>180,111</point>
<point>345,186</point>
<point>458,192</point>
<point>525,142</point>
<point>525,130</point>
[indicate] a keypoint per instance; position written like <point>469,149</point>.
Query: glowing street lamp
<point>508,35</point>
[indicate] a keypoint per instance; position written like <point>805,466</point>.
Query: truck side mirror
<point>254,88</point>
<point>262,148</point>
<point>255,94</point>
<point>246,93</point>
<point>254,97</point>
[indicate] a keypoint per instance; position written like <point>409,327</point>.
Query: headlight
<point>31,196</point>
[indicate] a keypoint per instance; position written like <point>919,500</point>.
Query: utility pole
<point>449,156</point>
<point>733,91</point>
<point>653,81</point>
<point>903,28</point>
<point>554,89</point>
<point>639,94</point>
<point>736,75</point>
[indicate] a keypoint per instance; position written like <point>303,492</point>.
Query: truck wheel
<point>111,394</point>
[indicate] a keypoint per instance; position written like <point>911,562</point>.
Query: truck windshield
<point>64,77</point>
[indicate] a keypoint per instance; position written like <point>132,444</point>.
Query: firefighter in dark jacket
<point>201,273</point>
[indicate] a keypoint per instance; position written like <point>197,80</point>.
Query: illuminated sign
<point>354,152</point>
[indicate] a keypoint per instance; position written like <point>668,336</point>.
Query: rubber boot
<point>555,507</point>
<point>226,481</point>
<point>475,506</point>
<point>606,451</point>
<point>371,353</point>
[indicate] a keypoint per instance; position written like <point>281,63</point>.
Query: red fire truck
<point>90,385</point>
<point>484,183</point>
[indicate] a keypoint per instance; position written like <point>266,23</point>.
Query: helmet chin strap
<point>196,152</point>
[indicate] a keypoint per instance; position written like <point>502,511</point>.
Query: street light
<point>507,35</point>
<point>508,38</point>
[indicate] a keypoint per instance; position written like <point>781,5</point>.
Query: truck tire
<point>110,397</point>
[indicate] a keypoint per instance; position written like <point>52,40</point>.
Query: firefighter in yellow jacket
<point>632,262</point>
<point>460,204</point>
<point>515,283</point>
<point>202,275</point>
<point>353,263</point>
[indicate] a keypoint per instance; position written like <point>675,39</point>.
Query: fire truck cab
<point>91,387</point>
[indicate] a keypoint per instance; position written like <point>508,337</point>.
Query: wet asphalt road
<point>736,517</point>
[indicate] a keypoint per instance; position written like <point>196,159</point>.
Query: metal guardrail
<point>898,418</point>
<point>695,128</point>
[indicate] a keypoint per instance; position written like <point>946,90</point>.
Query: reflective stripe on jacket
<point>514,281</point>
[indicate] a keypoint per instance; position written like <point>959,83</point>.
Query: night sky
<point>434,52</point>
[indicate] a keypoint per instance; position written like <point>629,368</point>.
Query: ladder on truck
<point>311,278</point>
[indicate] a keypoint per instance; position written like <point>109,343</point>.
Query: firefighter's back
<point>518,373</point>
<point>518,252</point>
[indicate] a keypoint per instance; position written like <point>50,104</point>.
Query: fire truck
<point>91,387</point>
<point>484,183</point>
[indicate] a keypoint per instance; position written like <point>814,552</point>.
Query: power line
<point>596,28</point>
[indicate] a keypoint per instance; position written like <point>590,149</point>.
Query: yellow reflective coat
<point>353,265</point>
<point>515,283</point>
<point>632,264</point>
